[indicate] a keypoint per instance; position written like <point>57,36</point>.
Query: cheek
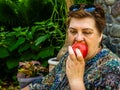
<point>92,44</point>
<point>71,38</point>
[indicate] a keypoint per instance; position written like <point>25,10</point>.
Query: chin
<point>87,58</point>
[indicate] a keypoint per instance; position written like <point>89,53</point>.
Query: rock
<point>109,2</point>
<point>115,10</point>
<point>115,31</point>
<point>112,29</point>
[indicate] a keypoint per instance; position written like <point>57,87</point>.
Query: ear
<point>101,37</point>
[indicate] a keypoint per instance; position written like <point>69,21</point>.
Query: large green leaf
<point>24,47</point>
<point>46,52</point>
<point>41,39</point>
<point>3,52</point>
<point>27,56</point>
<point>12,63</point>
<point>20,41</point>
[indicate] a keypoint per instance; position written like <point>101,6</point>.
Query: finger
<point>68,64</point>
<point>79,55</point>
<point>71,53</point>
<point>70,50</point>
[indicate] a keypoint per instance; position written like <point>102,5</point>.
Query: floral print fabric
<point>101,73</point>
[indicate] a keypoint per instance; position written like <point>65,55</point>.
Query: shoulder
<point>105,73</point>
<point>107,56</point>
<point>110,74</point>
<point>109,63</point>
<point>109,71</point>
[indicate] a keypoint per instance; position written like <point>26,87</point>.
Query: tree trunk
<point>64,49</point>
<point>69,3</point>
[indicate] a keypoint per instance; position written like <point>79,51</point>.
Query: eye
<point>87,32</point>
<point>73,31</point>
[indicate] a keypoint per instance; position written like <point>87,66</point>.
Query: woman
<point>98,70</point>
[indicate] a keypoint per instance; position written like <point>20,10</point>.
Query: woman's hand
<point>75,66</point>
<point>26,88</point>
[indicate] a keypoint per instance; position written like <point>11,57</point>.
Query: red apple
<point>82,46</point>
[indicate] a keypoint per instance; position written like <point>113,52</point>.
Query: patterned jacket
<point>102,72</point>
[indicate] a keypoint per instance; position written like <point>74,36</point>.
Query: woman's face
<point>84,30</point>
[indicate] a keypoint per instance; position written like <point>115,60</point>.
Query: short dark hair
<point>98,15</point>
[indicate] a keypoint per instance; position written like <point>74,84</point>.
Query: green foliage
<point>39,40</point>
<point>3,52</point>
<point>14,13</point>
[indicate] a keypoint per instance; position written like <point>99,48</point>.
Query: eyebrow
<point>82,29</point>
<point>87,29</point>
<point>72,28</point>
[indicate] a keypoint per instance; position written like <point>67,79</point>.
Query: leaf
<point>12,63</point>
<point>41,39</point>
<point>3,52</point>
<point>30,36</point>
<point>20,41</point>
<point>23,47</point>
<point>27,56</point>
<point>46,52</point>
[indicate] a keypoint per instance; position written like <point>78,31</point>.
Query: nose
<point>79,37</point>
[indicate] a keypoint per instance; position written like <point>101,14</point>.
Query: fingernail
<point>70,50</point>
<point>78,52</point>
